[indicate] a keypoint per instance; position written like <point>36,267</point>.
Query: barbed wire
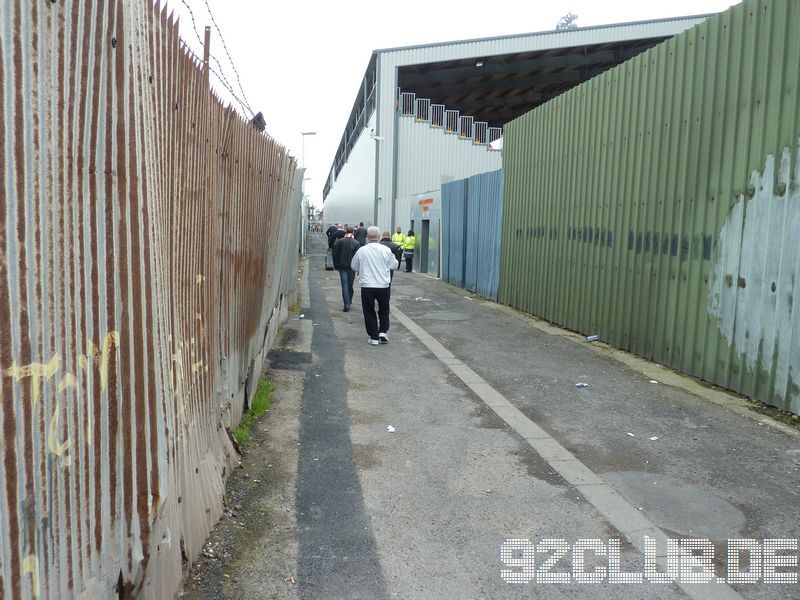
<point>225,47</point>
<point>219,78</point>
<point>223,80</point>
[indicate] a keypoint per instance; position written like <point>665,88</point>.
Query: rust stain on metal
<point>148,252</point>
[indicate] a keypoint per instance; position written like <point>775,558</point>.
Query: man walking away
<point>336,235</point>
<point>343,251</point>
<point>396,250</point>
<point>361,234</point>
<point>408,250</point>
<point>374,263</point>
<point>329,233</point>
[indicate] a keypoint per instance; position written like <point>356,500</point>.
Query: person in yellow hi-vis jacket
<point>408,250</point>
<point>398,238</point>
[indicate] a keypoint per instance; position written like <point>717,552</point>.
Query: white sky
<point>301,61</point>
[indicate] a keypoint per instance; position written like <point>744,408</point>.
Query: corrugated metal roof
<point>569,35</point>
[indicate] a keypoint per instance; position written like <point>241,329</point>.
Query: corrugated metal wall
<point>454,231</point>
<point>146,250</point>
<point>471,232</point>
<point>426,155</point>
<point>657,204</point>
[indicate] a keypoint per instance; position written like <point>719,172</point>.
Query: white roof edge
<point>565,32</point>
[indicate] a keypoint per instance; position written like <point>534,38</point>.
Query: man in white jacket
<point>374,263</point>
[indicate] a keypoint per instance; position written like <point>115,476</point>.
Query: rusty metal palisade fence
<point>148,243</point>
<point>658,206</point>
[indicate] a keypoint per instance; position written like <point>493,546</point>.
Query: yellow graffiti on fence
<point>57,448</point>
<point>38,371</point>
<point>30,565</point>
<point>102,355</point>
<point>35,371</point>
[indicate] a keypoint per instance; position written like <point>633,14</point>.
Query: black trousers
<point>371,321</point>
<point>409,262</point>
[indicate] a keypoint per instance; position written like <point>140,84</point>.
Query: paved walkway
<point>493,441</point>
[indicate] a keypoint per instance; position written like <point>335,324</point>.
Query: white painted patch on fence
<point>754,282</point>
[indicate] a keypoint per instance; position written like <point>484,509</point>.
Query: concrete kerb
<point>451,361</point>
<point>490,396</point>
<point>576,473</point>
<point>549,449</point>
<point>623,515</point>
<point>465,374</point>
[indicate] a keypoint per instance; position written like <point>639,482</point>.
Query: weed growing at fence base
<point>259,406</point>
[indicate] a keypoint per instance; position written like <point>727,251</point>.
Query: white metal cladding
<point>352,199</point>
<point>425,156</point>
<point>426,214</point>
<point>391,58</point>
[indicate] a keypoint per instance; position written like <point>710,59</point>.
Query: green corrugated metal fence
<point>657,205</point>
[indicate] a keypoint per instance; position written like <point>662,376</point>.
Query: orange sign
<point>425,203</point>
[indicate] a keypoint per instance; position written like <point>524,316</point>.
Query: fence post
<point>207,55</point>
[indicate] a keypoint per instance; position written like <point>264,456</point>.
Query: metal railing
<point>407,104</point>
<point>451,121</point>
<point>465,127</point>
<point>481,133</point>
<point>437,115</point>
<point>423,109</point>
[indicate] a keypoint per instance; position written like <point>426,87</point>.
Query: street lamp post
<point>303,155</point>
<point>304,199</point>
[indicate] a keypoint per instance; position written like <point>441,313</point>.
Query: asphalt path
<point>496,459</point>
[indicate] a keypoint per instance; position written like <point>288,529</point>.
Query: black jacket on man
<point>343,251</point>
<point>336,235</point>
<point>361,235</point>
<point>330,231</point>
<point>396,250</point>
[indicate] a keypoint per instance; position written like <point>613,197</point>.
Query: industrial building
<point>427,114</point>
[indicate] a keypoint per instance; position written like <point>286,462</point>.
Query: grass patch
<point>258,407</point>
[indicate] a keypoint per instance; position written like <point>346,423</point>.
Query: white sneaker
<point>383,338</point>
<point>373,342</point>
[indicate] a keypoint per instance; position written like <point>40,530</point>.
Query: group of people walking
<point>374,259</point>
<point>400,244</point>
